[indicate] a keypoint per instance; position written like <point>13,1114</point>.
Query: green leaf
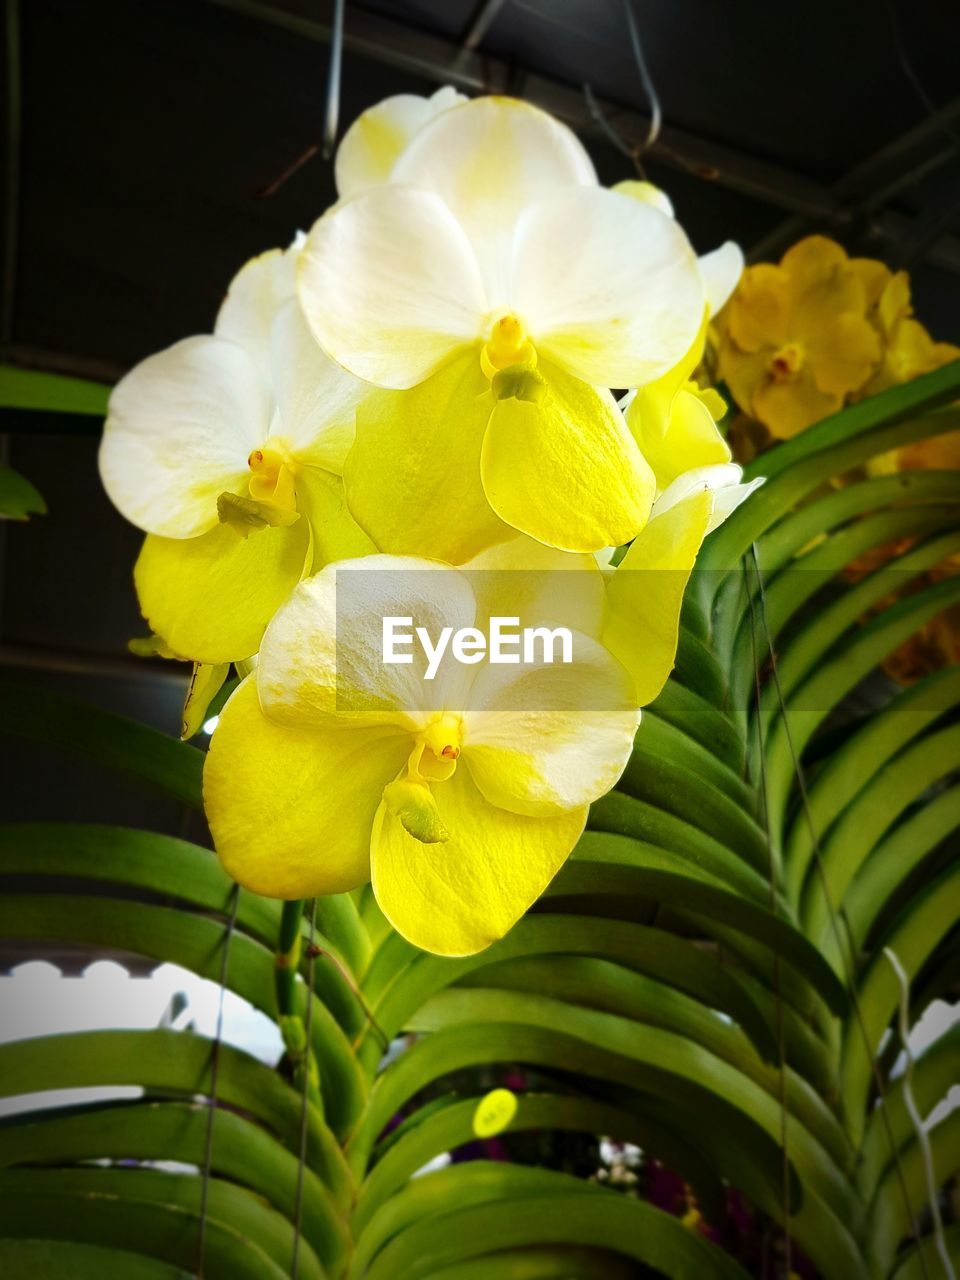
<point>242,1152</point>
<point>40,715</point>
<point>68,1260</point>
<point>18,497</point>
<point>504,1207</point>
<point>137,1209</point>
<point>35,389</point>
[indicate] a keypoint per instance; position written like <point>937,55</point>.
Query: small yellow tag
<point>494,1113</point>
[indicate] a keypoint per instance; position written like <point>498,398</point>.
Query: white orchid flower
<point>503,291</point>
<point>224,435</point>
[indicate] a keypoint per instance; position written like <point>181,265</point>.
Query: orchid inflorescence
<point>420,394</point>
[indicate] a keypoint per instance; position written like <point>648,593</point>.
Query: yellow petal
<point>413,475</point>
<point>874,276</point>
<point>322,657</point>
<point>812,261</point>
<point>788,407</point>
<point>692,439</point>
<point>321,498</point>
<point>458,897</point>
<point>565,469</point>
<point>648,412</point>
<point>646,192</point>
<point>646,591</point>
<point>744,373</point>
<point>846,351</point>
<point>544,738</point>
<point>291,810</point>
<point>211,597</point>
<point>205,683</point>
<point>894,302</point>
<point>759,312</point>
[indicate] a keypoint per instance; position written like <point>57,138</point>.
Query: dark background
<point>139,133</point>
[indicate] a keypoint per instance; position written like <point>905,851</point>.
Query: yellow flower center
<point>436,750</point>
<point>273,476</point>
<point>787,361</point>
<point>507,345</point>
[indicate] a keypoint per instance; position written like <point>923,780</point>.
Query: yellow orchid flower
<point>494,291</point>
<point>795,340</point>
<point>908,349</point>
<point>373,143</point>
<point>460,797</point>
<point>226,450</point>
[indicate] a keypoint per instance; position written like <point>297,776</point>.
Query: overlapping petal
<point>607,286</point>
<point>413,475</point>
<point>543,738</point>
<point>179,429</point>
<point>489,160</point>
<point>373,143</point>
<point>390,285</point>
<point>291,809</point>
<point>692,438</point>
<point>563,467</point>
<point>645,593</point>
<point>211,597</point>
<point>321,660</point>
<point>316,398</point>
<point>255,296</point>
<point>456,897</point>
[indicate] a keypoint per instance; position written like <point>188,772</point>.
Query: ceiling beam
<point>388,41</point>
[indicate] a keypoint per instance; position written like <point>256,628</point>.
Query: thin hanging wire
<point>234,902</point>
<point>910,1102</point>
<point>331,114</point>
<point>842,935</point>
<point>331,119</point>
<point>777,963</point>
<point>312,952</point>
<point>633,150</point>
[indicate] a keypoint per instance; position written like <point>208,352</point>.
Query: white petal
<point>390,286</point>
<point>373,143</point>
<point>542,738</point>
<point>726,501</point>
<point>316,398</point>
<point>179,430</point>
<point>606,285</point>
<point>256,294</point>
<point>322,656</point>
<point>490,159</point>
<point>721,480</point>
<point>721,270</point>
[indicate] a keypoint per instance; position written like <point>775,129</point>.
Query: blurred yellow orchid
<point>907,348</point>
<point>495,292</point>
<point>795,340</point>
<point>460,797</point>
<point>226,435</point>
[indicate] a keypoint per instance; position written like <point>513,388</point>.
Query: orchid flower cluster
<point>421,388</point>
